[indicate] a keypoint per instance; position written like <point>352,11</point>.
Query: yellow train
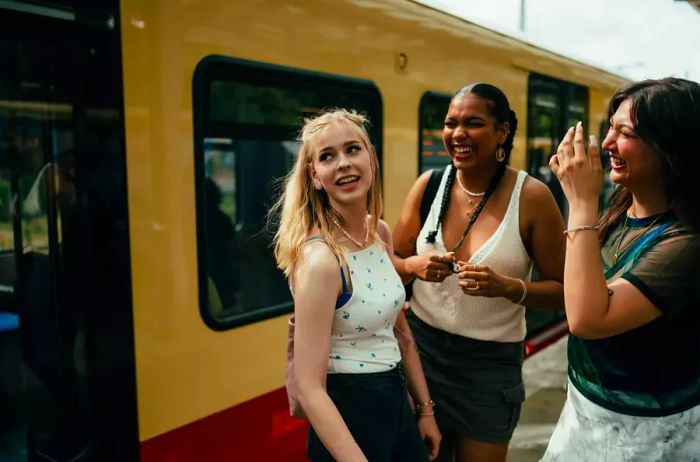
<point>141,315</point>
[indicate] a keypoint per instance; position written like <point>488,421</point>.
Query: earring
<point>317,185</point>
<point>500,154</point>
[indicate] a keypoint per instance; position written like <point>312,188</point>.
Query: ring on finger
<point>438,274</point>
<point>476,286</point>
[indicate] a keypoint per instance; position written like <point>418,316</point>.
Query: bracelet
<point>420,406</point>
<point>522,299</point>
<point>581,228</point>
<point>426,413</point>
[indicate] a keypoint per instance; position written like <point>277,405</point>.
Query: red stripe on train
<point>542,340</point>
<point>257,430</point>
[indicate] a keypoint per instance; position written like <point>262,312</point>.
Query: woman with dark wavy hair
<point>489,223</point>
<point>632,282</point>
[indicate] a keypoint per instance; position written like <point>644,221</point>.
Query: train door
<point>553,106</point>
<point>57,129</point>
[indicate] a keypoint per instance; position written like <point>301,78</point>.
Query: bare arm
<point>417,385</point>
<point>591,312</point>
<point>317,284</point>
<point>407,263</point>
<point>546,247</point>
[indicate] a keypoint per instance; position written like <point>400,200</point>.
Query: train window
<point>553,106</point>
<point>432,112</point>
<point>246,119</point>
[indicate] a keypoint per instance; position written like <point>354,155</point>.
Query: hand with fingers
<point>579,170</point>
<point>483,281</point>
<point>433,267</point>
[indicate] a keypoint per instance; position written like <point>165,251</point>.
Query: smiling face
<point>471,134</point>
<point>341,163</point>
<point>633,163</point>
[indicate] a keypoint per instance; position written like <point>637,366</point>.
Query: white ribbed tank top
<point>444,305</point>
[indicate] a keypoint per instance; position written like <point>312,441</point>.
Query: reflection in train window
<point>432,112</point>
<point>247,116</point>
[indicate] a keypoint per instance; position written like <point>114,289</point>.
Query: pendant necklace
<point>618,249</point>
<point>352,239</point>
<point>470,195</point>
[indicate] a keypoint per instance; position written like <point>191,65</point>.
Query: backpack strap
<point>425,203</point>
<point>429,194</point>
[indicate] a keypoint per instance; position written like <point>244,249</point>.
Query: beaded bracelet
<point>581,228</point>
<point>420,406</point>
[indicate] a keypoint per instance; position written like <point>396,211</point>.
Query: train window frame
<point>425,100</point>
<point>230,70</point>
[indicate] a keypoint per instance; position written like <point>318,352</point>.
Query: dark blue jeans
<point>375,409</point>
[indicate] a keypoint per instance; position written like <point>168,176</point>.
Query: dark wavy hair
<point>666,115</point>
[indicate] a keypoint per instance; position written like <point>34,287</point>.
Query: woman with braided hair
<point>472,263</point>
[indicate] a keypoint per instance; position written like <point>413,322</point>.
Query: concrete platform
<point>545,380</point>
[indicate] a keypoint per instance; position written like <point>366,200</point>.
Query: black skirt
<point>476,384</point>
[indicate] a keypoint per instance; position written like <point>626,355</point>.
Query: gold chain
<point>470,196</point>
<point>619,250</point>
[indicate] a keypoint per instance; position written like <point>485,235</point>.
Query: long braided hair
<point>499,108</point>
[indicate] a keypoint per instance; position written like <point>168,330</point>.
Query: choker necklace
<point>466,191</point>
<point>470,195</point>
<point>619,250</point>
<point>352,239</point>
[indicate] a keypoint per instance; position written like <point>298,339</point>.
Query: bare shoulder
<point>534,187</point>
<point>535,192</point>
<point>384,230</point>
<point>420,185</point>
<point>317,261</point>
<point>422,180</point>
<point>415,194</point>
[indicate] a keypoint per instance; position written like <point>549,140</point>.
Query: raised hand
<point>578,170</point>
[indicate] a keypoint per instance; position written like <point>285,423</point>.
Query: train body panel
<point>203,370</point>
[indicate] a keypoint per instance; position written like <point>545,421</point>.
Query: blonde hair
<point>301,207</point>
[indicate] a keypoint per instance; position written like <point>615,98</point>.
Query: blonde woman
<point>336,251</point>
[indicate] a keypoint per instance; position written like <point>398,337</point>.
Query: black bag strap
<point>429,194</point>
<point>425,203</point>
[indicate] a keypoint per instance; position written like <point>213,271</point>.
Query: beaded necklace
<point>352,239</point>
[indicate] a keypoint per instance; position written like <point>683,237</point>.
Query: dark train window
<point>432,112</point>
<point>553,106</point>
<point>246,119</point>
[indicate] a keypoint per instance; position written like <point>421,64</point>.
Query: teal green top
<point>653,370</point>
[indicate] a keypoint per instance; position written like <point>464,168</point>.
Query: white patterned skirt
<point>587,432</point>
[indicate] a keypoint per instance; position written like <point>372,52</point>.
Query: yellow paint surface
<point>185,371</point>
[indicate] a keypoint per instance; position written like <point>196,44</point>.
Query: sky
<point>635,38</point>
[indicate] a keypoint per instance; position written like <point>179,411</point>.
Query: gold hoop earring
<point>500,154</point>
